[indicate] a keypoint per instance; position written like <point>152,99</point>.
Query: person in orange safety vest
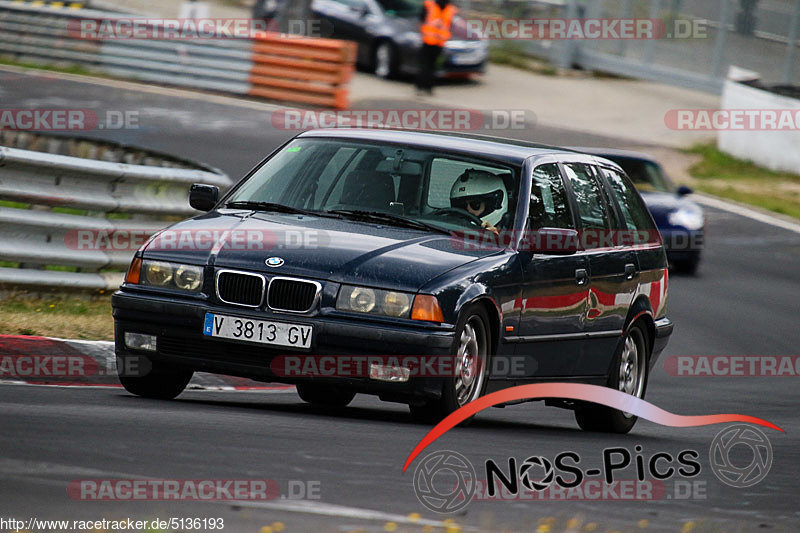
<point>437,19</point>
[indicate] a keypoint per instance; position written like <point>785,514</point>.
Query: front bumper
<point>178,326</point>
<point>682,242</point>
<point>663,330</point>
<point>453,67</point>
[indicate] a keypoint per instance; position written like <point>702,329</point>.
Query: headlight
<point>396,303</point>
<point>412,37</point>
<point>168,275</point>
<point>158,273</point>
<point>188,278</point>
<point>373,301</point>
<point>362,300</point>
<point>691,219</point>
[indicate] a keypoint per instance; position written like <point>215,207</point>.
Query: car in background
<point>680,220</point>
<point>388,35</point>
<point>460,250</point>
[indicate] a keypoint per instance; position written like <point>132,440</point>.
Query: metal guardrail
<point>36,237</point>
<point>270,66</point>
<point>758,35</point>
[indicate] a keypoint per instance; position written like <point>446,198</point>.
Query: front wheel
<point>629,375</point>
<point>151,379</point>
<point>471,346</point>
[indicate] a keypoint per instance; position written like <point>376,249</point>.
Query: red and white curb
<point>73,363</point>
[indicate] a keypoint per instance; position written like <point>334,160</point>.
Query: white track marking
<point>340,511</point>
<point>738,209</point>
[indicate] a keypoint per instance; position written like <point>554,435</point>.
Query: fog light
<point>394,374</point>
<point>140,341</point>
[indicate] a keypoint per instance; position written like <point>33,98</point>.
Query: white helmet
<point>481,186</point>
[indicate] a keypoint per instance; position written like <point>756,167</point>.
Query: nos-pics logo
<point>446,481</point>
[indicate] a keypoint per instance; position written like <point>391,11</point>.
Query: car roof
<point>509,150</point>
<point>612,152</point>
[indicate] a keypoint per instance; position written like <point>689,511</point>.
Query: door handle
<point>581,276</point>
<point>630,271</point>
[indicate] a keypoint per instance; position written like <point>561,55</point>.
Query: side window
<point>548,204</point>
<point>444,173</point>
<point>633,209</point>
<point>588,196</point>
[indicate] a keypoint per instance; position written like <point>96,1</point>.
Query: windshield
<point>402,8</point>
<point>438,189</point>
<point>645,175</point>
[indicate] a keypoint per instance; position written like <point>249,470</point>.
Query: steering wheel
<point>474,220</point>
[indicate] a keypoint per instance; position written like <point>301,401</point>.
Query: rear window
<point>632,206</point>
<point>588,196</point>
<point>548,204</point>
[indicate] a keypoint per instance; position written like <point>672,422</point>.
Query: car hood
<point>661,204</point>
<point>319,248</point>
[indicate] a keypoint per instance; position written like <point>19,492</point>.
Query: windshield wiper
<point>276,208</point>
<point>387,218</point>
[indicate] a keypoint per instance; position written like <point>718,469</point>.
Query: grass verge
<point>66,69</point>
<point>743,181</point>
<point>68,317</point>
<point>513,54</point>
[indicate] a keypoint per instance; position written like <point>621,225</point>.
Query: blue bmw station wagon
<point>505,262</point>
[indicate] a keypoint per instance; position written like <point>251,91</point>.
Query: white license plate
<point>259,331</point>
<point>467,58</point>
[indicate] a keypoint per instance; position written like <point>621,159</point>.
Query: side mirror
<point>683,190</point>
<point>551,241</point>
<point>203,197</point>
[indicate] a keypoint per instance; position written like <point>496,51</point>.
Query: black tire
<point>384,66</point>
<point>457,391</point>
<point>151,379</point>
<point>687,266</point>
<point>324,395</point>
<point>604,419</point>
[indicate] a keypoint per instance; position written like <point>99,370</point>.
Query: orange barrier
<point>302,70</point>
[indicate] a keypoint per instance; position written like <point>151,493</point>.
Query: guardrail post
<point>650,46</point>
<point>569,50</point>
<point>627,13</point>
<point>718,61</point>
<point>791,46</point>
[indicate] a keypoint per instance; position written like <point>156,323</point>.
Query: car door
<point>555,286</point>
<point>612,266</point>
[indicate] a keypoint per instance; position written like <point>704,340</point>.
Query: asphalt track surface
<point>744,302</point>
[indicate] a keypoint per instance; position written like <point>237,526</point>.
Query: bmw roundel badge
<point>274,262</point>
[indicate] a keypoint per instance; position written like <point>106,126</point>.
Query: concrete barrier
<point>777,149</point>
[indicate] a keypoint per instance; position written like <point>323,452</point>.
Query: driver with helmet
<point>483,195</point>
